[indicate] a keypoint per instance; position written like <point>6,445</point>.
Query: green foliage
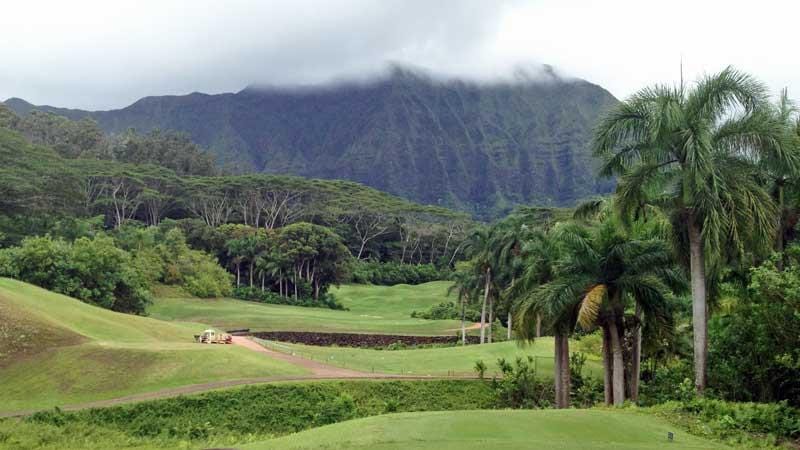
<point>586,391</point>
<point>755,344</point>
<point>254,294</point>
<point>269,410</point>
<point>480,368</point>
<point>665,384</point>
<point>447,311</point>
<point>519,387</point>
<point>762,424</point>
<point>391,273</point>
<point>93,270</point>
<point>163,256</point>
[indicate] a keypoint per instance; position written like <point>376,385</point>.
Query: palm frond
<point>590,306</point>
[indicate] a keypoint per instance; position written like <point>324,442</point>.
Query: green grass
<point>467,430</point>
<point>56,350</point>
<point>372,309</point>
<point>430,361</point>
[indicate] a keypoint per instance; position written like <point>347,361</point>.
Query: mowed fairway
<point>440,361</point>
<point>56,350</point>
<point>372,309</point>
<point>506,430</point>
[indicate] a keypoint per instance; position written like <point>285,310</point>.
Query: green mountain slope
<point>478,147</point>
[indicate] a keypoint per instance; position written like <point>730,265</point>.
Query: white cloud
<point>104,54</point>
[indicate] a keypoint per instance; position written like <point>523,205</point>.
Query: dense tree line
<point>161,175</point>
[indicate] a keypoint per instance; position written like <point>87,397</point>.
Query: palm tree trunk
<point>463,321</point>
<point>699,308</point>
<point>565,372</point>
<point>538,325</point>
<point>636,356</point>
<point>251,273</point>
<point>238,274</point>
<point>491,320</point>
<point>779,244</point>
<point>618,374</point>
<point>607,366</point>
<point>557,380</point>
<point>483,308</point>
<point>508,324</point>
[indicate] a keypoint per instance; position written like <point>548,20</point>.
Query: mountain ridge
<point>476,146</point>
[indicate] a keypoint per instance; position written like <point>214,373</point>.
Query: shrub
<point>253,294</point>
<point>480,368</point>
<point>237,415</point>
<point>93,270</point>
<point>519,387</point>
<point>391,273</point>
<point>661,385</point>
<point>447,311</point>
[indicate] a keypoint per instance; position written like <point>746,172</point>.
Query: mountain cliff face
<point>482,148</point>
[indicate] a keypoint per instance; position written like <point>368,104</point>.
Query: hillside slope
<point>478,147</point>
<point>55,350</point>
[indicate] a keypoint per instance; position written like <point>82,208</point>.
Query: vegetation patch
<point>255,412</point>
<point>357,339</point>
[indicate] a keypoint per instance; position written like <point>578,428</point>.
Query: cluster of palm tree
<point>706,179</point>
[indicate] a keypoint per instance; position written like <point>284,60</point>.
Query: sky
<point>107,54</point>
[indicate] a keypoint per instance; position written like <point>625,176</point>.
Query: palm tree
<point>690,151</point>
<point>532,295</point>
<point>782,173</point>
<point>467,286</point>
<point>602,269</point>
<point>479,247</point>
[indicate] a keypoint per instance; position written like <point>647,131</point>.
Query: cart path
<point>474,326</point>
<point>318,371</point>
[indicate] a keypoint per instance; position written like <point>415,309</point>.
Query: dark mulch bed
<point>355,339</point>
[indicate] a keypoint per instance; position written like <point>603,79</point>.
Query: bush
<point>519,387</point>
<point>253,294</point>
<point>238,415</point>
<point>760,424</point>
<point>93,270</point>
<point>662,385</point>
<point>391,273</point>
<point>447,311</point>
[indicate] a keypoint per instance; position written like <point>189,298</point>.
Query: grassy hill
<point>507,430</point>
<point>55,350</point>
<point>372,309</point>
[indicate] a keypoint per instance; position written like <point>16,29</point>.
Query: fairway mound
<point>356,339</point>
<point>57,351</point>
<point>509,430</point>
<point>23,335</point>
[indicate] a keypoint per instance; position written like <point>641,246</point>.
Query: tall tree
<point>689,151</point>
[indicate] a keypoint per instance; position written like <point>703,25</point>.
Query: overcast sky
<point>108,53</point>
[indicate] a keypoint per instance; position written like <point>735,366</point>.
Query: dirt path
<point>318,371</point>
<point>474,326</point>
